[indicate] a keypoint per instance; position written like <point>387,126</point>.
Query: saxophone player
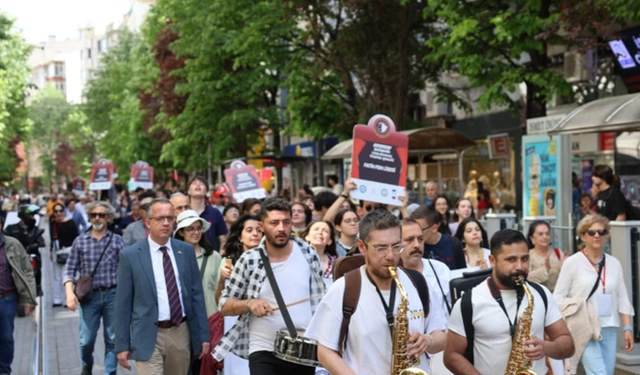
<point>484,321</point>
<point>368,345</point>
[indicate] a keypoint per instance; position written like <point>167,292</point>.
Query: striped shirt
<point>84,255</point>
<point>6,280</point>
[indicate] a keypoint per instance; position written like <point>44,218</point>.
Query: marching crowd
<point>186,287</point>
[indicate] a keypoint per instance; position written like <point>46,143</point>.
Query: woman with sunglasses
<point>245,234</point>
<point>190,229</point>
<point>63,232</point>
<point>544,261</point>
<point>346,226</point>
<point>596,277</point>
<point>462,210</point>
<point>321,236</point>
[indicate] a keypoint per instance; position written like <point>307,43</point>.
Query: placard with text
<point>379,161</point>
<point>102,175</point>
<point>142,175</point>
<point>244,182</point>
<point>78,185</point>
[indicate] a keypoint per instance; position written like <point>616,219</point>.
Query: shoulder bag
<point>84,285</point>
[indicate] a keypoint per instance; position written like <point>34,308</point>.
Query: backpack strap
<point>352,285</point>
<point>466,308</point>
<point>421,286</point>
<point>458,252</point>
<point>542,294</point>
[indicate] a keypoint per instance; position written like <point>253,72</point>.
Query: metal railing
<point>37,341</point>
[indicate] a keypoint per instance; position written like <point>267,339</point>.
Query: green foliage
<point>14,78</point>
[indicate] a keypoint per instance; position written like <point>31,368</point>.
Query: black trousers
<point>265,363</point>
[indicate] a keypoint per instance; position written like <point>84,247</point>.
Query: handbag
<point>84,285</point>
<point>62,255</point>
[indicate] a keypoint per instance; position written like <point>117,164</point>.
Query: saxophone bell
<point>518,364</point>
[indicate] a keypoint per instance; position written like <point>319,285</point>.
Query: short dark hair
<point>532,229</point>
<point>70,200</point>
<point>377,220</point>
<point>198,178</point>
<point>308,215</point>
<point>427,213</point>
<point>230,206</point>
<point>274,204</point>
<point>247,204</point>
<point>603,172</point>
<point>505,237</point>
<point>147,194</point>
<point>333,177</point>
<point>324,199</point>
<point>408,221</point>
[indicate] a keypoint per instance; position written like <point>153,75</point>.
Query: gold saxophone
<point>518,364</point>
<point>401,364</point>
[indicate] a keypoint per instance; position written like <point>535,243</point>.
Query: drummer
<point>249,294</point>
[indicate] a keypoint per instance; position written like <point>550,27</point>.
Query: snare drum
<point>300,350</point>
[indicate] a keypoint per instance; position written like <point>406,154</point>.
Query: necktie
<point>175,307</point>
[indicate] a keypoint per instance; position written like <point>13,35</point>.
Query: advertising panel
<point>541,179</point>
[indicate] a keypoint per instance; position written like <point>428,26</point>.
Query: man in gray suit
<point>161,320</point>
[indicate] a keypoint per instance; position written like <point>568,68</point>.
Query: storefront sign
<point>102,175</point>
<point>542,125</point>
<point>142,175</point>
<point>541,173</point>
<point>499,146</point>
<point>244,182</point>
<point>587,168</point>
<point>78,185</point>
<point>379,161</point>
<point>607,141</point>
<point>585,143</point>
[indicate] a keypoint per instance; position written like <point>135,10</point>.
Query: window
<point>88,53</point>
<point>102,46</point>
<point>59,69</point>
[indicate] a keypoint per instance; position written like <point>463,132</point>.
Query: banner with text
<point>244,182</point>
<point>102,175</point>
<point>379,161</point>
<point>78,185</point>
<point>142,175</point>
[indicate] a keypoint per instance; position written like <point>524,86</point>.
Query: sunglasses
<point>600,232</point>
<point>58,211</point>
<point>101,215</point>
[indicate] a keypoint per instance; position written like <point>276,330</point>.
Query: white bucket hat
<point>188,217</point>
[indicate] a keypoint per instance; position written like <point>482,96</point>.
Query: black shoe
<point>86,371</point>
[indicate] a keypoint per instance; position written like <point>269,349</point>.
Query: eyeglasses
<point>396,248</point>
<point>350,221</point>
<point>58,211</point>
<point>600,232</point>
<point>193,229</point>
<point>101,215</point>
<point>423,229</point>
<point>234,211</point>
<point>162,219</point>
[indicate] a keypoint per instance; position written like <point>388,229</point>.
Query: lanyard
<point>387,308</point>
<point>602,272</point>
<point>497,295</point>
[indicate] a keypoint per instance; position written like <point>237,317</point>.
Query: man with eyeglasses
<point>437,245</point>
<point>161,322</point>
<point>86,255</point>
<point>368,341</point>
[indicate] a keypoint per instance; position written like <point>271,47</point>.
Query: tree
<point>14,78</point>
<point>500,44</point>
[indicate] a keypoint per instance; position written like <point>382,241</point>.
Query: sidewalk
<point>61,352</point>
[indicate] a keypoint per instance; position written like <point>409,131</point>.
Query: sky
<point>37,19</point>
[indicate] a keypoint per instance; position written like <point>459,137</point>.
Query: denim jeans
<point>599,357</point>
<point>8,307</point>
<point>103,305</point>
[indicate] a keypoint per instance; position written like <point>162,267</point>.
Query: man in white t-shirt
<point>435,272</point>
<point>297,272</point>
<point>495,304</point>
<point>369,340</point>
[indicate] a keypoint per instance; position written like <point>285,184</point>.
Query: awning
<point>615,114</point>
<point>427,140</point>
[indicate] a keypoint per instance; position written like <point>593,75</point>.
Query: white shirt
<point>292,277</point>
<point>459,272</point>
<point>164,311</point>
<point>492,344</point>
<point>443,273</point>
<point>577,277</point>
<point>369,343</point>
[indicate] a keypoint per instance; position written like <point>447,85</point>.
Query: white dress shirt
<point>164,312</point>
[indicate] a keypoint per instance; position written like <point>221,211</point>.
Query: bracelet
<point>627,328</point>
<point>431,343</point>
<point>246,304</point>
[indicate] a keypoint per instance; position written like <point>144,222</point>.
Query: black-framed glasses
<point>193,229</point>
<point>101,215</point>
<point>162,219</point>
<point>600,232</point>
<point>396,248</point>
<point>429,226</point>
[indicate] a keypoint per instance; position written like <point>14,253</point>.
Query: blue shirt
<point>218,226</point>
<point>444,252</point>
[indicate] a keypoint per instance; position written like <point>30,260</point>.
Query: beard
<point>278,242</point>
<point>98,227</point>
<point>509,280</point>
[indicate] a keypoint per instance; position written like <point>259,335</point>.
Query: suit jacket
<point>136,317</point>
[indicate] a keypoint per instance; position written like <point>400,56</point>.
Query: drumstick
<point>294,303</point>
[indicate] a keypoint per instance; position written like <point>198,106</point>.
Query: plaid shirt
<point>84,255</point>
<point>246,280</point>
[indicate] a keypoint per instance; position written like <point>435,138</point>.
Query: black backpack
<point>467,317</point>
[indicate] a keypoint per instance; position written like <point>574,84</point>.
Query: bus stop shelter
<point>422,142</point>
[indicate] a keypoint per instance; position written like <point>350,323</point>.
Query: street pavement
<point>61,352</point>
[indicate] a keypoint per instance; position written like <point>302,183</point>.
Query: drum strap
<point>276,292</point>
